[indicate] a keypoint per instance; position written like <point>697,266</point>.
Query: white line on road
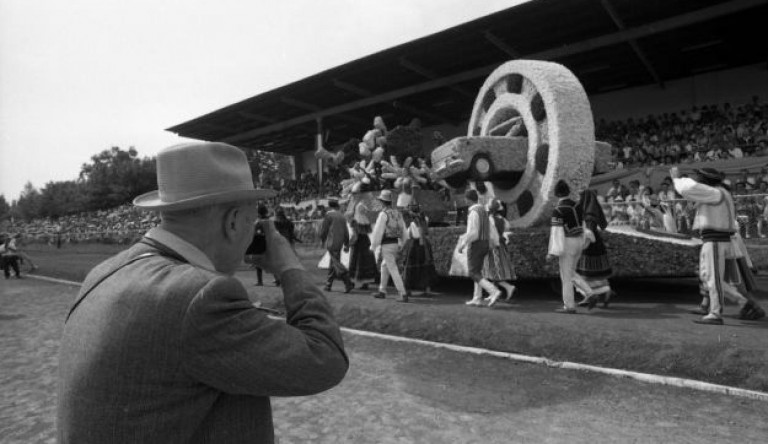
<point>54,280</point>
<point>645,377</point>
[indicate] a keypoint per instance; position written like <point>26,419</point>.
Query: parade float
<point>531,126</point>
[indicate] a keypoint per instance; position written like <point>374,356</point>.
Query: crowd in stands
<point>709,132</point>
<point>307,186</point>
<point>665,210</point>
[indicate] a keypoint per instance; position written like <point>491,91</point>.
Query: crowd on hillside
<point>709,132</point>
<point>118,225</point>
<point>125,224</point>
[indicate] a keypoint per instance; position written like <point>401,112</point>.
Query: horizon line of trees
<point>112,178</point>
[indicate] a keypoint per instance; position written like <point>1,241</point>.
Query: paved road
<point>400,393</point>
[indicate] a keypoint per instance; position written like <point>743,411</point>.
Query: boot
<point>703,308</point>
<point>477,296</point>
<point>746,310</point>
<point>509,289</point>
<point>710,319</point>
<point>493,291</point>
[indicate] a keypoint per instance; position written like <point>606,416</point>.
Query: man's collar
<point>192,254</point>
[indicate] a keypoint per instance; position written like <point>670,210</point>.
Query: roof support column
<point>318,145</point>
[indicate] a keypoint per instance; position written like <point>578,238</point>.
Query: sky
<point>80,76</point>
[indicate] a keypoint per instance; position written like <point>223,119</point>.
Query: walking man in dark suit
<point>162,344</point>
<point>335,235</point>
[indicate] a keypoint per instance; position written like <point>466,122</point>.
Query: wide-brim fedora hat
<point>385,196</point>
<point>199,174</point>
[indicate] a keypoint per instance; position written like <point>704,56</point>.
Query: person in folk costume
<point>745,269</point>
<point>716,219</point>
<point>389,236</point>
<point>419,266</point>
<point>593,268</point>
<point>498,267</point>
<point>485,192</point>
<point>335,236</point>
<point>478,241</point>
<point>566,241</point>
<point>362,262</point>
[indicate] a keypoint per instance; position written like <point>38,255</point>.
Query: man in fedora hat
<point>716,218</point>
<point>335,236</point>
<point>162,344</point>
<point>389,235</point>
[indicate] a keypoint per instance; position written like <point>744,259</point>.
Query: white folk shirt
<point>715,210</point>
<point>378,230</point>
<point>473,228</point>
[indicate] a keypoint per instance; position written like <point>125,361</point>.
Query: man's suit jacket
<point>164,352</point>
<point>334,232</point>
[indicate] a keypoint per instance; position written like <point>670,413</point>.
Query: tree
<point>264,166</point>
<point>62,198</point>
<point>5,208</point>
<point>115,177</point>
<point>28,205</point>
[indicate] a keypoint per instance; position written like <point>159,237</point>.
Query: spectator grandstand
<point>707,133</point>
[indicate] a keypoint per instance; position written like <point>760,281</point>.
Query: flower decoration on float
<point>374,139</point>
<point>406,177</point>
<point>333,159</point>
<point>360,177</point>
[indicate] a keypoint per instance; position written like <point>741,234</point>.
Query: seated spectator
<point>617,189</point>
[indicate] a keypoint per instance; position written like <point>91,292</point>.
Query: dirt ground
<point>399,393</point>
<point>647,328</point>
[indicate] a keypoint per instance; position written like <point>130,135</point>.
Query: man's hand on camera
<point>279,256</point>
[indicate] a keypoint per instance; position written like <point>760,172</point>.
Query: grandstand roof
<point>608,44</point>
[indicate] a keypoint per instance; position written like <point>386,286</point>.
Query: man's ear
<point>229,222</point>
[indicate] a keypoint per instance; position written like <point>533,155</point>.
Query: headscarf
<point>592,208</point>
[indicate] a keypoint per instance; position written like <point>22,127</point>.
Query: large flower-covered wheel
<point>546,103</point>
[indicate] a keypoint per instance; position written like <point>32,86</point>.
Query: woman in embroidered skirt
<point>498,267</point>
<point>419,266</point>
<point>593,269</point>
<point>362,263</point>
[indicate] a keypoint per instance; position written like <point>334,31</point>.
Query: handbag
<point>459,262</point>
<point>587,237</point>
<point>556,241</point>
<point>325,261</point>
